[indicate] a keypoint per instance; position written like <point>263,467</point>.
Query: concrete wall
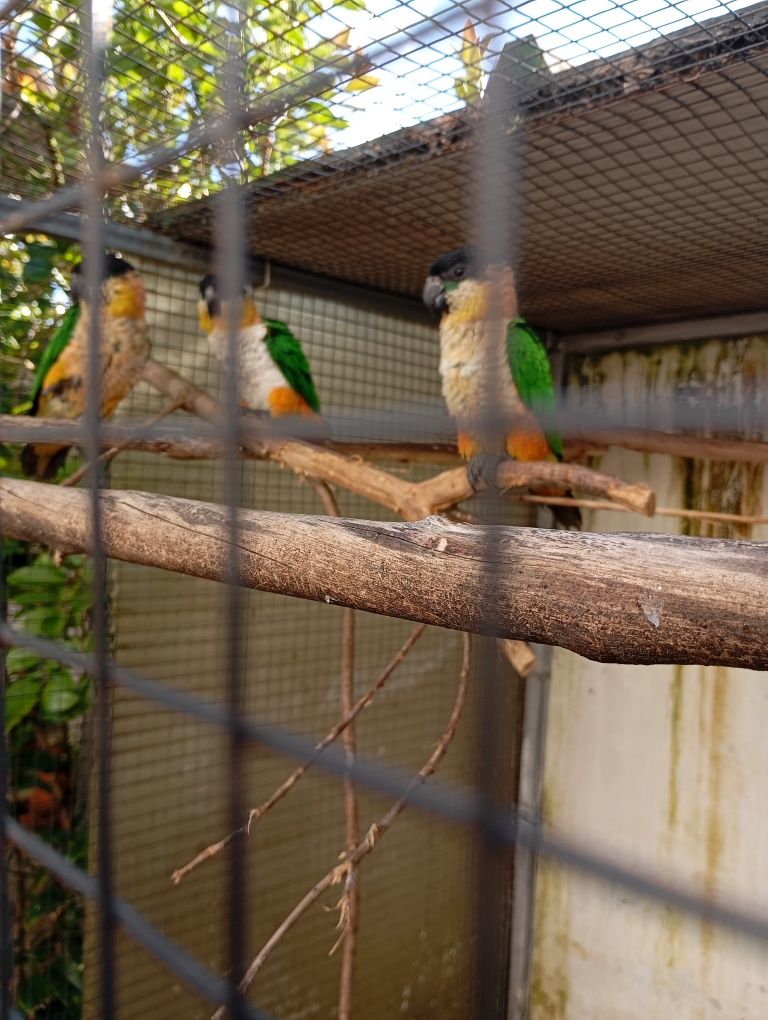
<point>665,767</point>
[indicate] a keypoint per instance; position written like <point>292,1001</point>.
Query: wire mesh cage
<point>309,450</point>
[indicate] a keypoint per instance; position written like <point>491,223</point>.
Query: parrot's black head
<point>213,306</point>
<point>209,294</point>
<point>443,290</point>
<point>445,273</point>
<point>112,266</point>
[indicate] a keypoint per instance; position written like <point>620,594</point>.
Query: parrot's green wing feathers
<point>532,374</point>
<point>52,352</point>
<point>285,350</point>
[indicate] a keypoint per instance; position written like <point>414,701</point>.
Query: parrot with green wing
<point>273,373</point>
<point>60,387</point>
<point>513,376</point>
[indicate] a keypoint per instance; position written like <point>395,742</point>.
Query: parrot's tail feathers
<point>568,517</point>
<point>42,462</point>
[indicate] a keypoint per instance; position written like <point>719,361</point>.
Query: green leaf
<point>74,973</point>
<point>43,621</point>
<point>60,695</point>
<point>38,575</point>
<point>20,698</point>
<point>19,660</point>
<point>40,263</point>
<point>34,991</point>
<point>177,73</point>
<point>46,900</point>
<point>362,83</point>
<point>43,21</point>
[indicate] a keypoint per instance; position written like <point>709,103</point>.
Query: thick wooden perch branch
<point>614,598</point>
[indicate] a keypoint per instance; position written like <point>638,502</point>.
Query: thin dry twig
<point>259,812</point>
<point>349,903</point>
<point>351,859</point>
<point>109,455</point>
<point>661,511</point>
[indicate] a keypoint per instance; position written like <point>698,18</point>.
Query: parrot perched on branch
<point>273,373</point>
<point>512,376</point>
<point>60,389</point>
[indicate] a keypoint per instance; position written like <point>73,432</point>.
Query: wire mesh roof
<point>643,183</point>
<point>644,190</point>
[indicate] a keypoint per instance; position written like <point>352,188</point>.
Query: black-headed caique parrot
<point>516,378</point>
<point>273,374</point>
<point>60,389</point>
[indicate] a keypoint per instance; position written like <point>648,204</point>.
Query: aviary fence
<point>205,623</point>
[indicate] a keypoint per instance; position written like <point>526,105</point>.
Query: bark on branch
<point>614,598</point>
<point>22,429</point>
<point>410,500</point>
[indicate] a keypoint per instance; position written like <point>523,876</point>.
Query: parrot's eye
<point>458,272</point>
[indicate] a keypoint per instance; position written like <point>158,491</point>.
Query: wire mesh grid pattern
<point>330,152</point>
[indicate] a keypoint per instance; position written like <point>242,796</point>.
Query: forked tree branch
<point>350,859</point>
<point>410,500</point>
<point>616,598</point>
<point>258,812</point>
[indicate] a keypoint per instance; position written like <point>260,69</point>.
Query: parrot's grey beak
<point>433,295</point>
<point>211,301</point>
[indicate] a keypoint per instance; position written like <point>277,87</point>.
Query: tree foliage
<point>45,703</point>
<point>162,79</point>
<point>34,274</point>
<point>468,84</point>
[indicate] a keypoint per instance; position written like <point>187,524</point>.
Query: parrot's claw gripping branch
<point>482,471</point>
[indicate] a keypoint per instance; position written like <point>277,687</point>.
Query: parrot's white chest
<point>475,374</point>
<point>257,374</point>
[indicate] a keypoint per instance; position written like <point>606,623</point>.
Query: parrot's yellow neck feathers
<point>124,296</point>
<point>249,316</point>
<point>469,301</point>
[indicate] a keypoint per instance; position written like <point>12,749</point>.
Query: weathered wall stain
<point>716,680</point>
<point>676,712</point>
<point>550,982</point>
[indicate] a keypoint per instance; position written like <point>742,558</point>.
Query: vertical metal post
<point>95,32</point>
<point>494,215</point>
<point>230,255</point>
